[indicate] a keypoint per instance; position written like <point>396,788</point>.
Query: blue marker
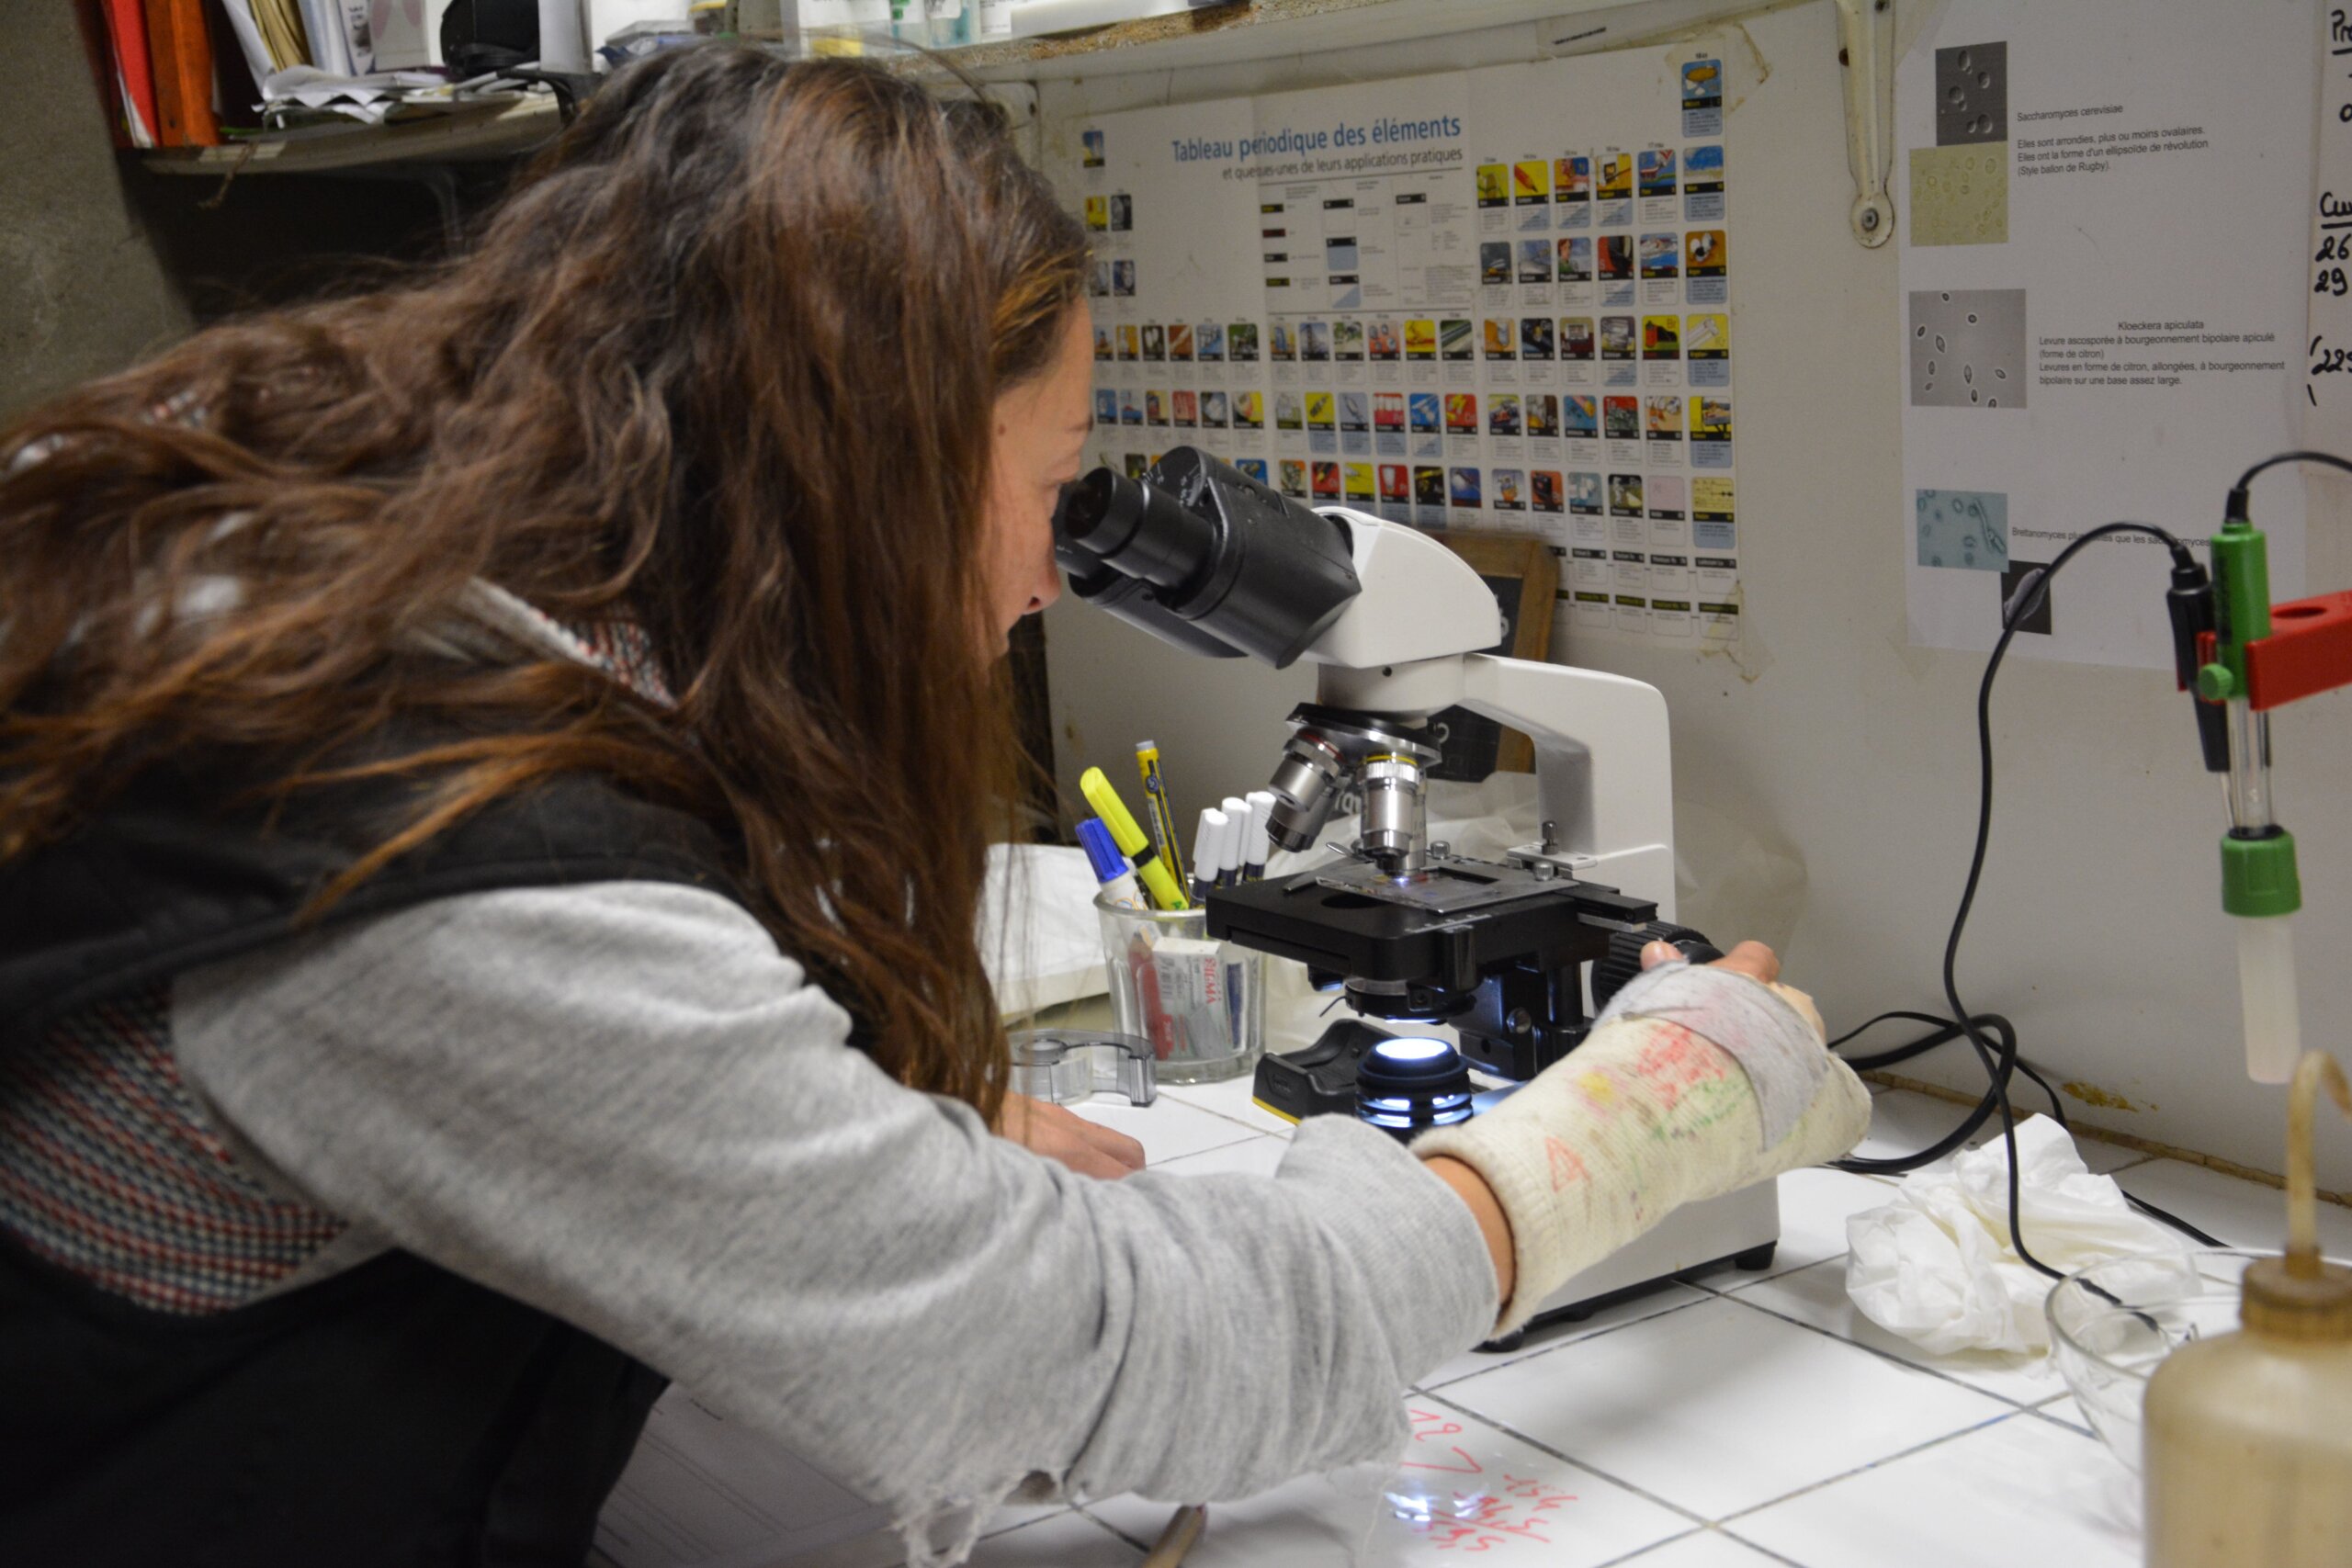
<point>1116,877</point>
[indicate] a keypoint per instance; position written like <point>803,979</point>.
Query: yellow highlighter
<point>1131,839</point>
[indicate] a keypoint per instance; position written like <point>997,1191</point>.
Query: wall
<point>1825,790</point>
<point>81,288</point>
<point>102,261</point>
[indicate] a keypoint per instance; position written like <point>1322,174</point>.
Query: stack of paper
<point>306,95</point>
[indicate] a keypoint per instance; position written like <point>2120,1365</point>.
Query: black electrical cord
<point>1944,1032</point>
<point>2000,1061</point>
<point>2237,504</point>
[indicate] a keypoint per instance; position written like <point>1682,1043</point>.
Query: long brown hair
<point>723,365</point>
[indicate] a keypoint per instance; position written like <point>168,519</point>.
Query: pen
<point>1257,848</point>
<point>1156,807</point>
<point>1111,873</point>
<point>1208,844</point>
<point>1236,835</point>
<point>1130,839</point>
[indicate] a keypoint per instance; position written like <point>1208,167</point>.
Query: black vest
<point>396,1414</point>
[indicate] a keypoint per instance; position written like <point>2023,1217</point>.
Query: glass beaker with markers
<point>1200,1003</point>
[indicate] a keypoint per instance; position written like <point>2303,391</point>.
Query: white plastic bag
<point>1937,1267</point>
<point>1038,933</point>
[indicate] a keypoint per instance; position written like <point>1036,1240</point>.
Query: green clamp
<point>2258,874</point>
<point>2216,683</point>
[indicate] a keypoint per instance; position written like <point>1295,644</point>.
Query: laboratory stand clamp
<point>2238,656</point>
<point>1412,934</point>
<point>2242,656</point>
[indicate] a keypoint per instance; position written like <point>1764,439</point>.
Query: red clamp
<point>2309,650</point>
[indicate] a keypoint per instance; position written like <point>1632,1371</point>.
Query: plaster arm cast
<point>1694,1082</point>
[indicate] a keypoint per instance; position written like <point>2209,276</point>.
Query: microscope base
<point>1739,1228</point>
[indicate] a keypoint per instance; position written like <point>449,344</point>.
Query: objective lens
<point>1304,786</point>
<point>1391,811</point>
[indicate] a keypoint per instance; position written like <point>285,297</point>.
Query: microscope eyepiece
<point>1084,517</point>
<point>1200,554</point>
<point>1136,529</point>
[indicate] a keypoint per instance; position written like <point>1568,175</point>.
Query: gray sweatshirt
<point>620,1104</point>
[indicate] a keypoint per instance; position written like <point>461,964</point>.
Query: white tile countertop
<point>1746,1420</point>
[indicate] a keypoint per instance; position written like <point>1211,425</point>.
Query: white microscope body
<point>1406,647</point>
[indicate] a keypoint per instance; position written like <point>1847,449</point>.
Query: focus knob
<point>1624,960</point>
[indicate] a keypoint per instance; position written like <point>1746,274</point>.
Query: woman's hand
<point>1757,962</point>
<point>1752,959</point>
<point>1049,1130</point>
<point>1700,1087</point>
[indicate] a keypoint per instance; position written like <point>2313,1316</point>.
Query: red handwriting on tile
<point>1483,1521</point>
<point>1433,1428</point>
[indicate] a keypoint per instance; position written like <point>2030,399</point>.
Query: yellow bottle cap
<point>2302,1296</point>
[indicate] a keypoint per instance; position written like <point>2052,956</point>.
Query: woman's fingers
<point>1120,1149</point>
<point>1752,959</point>
<point>1060,1135</point>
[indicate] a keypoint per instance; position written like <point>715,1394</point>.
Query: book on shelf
<point>133,104</point>
<point>179,53</point>
<point>269,34</point>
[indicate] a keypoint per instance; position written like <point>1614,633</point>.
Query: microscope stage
<point>1448,927</point>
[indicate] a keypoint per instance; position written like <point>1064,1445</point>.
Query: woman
<point>495,788</point>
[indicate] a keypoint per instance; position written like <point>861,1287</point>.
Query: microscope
<point>1416,936</point>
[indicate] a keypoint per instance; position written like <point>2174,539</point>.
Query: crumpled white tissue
<point>1936,1266</point>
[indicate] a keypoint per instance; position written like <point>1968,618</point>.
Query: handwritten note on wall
<point>2327,381</point>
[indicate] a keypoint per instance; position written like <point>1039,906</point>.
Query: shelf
<point>1288,27</point>
<point>1268,29</point>
<point>464,136</point>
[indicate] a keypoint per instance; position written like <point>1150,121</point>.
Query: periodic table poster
<point>1496,300</point>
